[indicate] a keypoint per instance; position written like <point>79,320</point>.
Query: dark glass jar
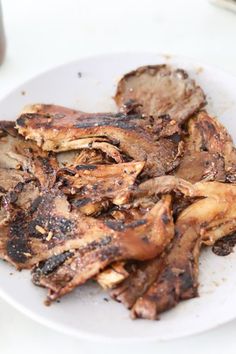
<point>2,38</point>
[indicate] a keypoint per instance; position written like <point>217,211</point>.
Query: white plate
<point>84,313</point>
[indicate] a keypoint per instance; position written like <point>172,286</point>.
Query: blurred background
<point>43,34</point>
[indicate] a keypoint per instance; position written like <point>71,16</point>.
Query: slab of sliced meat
<point>157,90</point>
<point>204,221</point>
<point>209,151</point>
<point>104,131</point>
<point>139,240</point>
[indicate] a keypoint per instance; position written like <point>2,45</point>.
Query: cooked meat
<point>163,185</point>
<point>48,227</point>
<point>103,131</point>
<point>208,134</point>
<point>10,178</point>
<point>157,90</point>
<point>18,198</point>
<point>112,276</point>
<point>83,157</point>
<point>202,165</point>
<point>21,155</point>
<point>175,281</point>
<point>138,282</point>
<point>95,183</point>
<point>141,240</point>
<point>119,271</point>
<point>203,222</point>
<point>126,199</point>
<point>209,151</point>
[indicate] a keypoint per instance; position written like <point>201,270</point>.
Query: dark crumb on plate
<point>106,299</point>
<point>23,93</point>
<point>79,74</point>
<point>10,273</point>
<point>58,301</point>
<point>224,246</point>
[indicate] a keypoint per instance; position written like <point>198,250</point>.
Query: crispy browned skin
<point>158,90</point>
<point>209,151</point>
<point>133,135</point>
<point>205,221</point>
<point>140,240</point>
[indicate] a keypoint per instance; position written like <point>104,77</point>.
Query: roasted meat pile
<point>127,199</point>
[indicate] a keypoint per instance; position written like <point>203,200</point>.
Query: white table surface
<point>45,33</point>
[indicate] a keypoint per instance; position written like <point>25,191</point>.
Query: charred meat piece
<point>50,115</point>
<point>16,202</point>
<point>203,222</point>
<point>102,131</point>
<point>176,279</point>
<point>95,183</point>
<point>146,272</point>
<point>157,90</point>
<point>138,281</point>
<point>21,155</point>
<point>48,227</point>
<point>117,272</point>
<point>140,240</point>
<point>209,151</point>
<point>225,245</point>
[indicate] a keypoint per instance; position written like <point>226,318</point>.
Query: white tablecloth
<point>45,33</point>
